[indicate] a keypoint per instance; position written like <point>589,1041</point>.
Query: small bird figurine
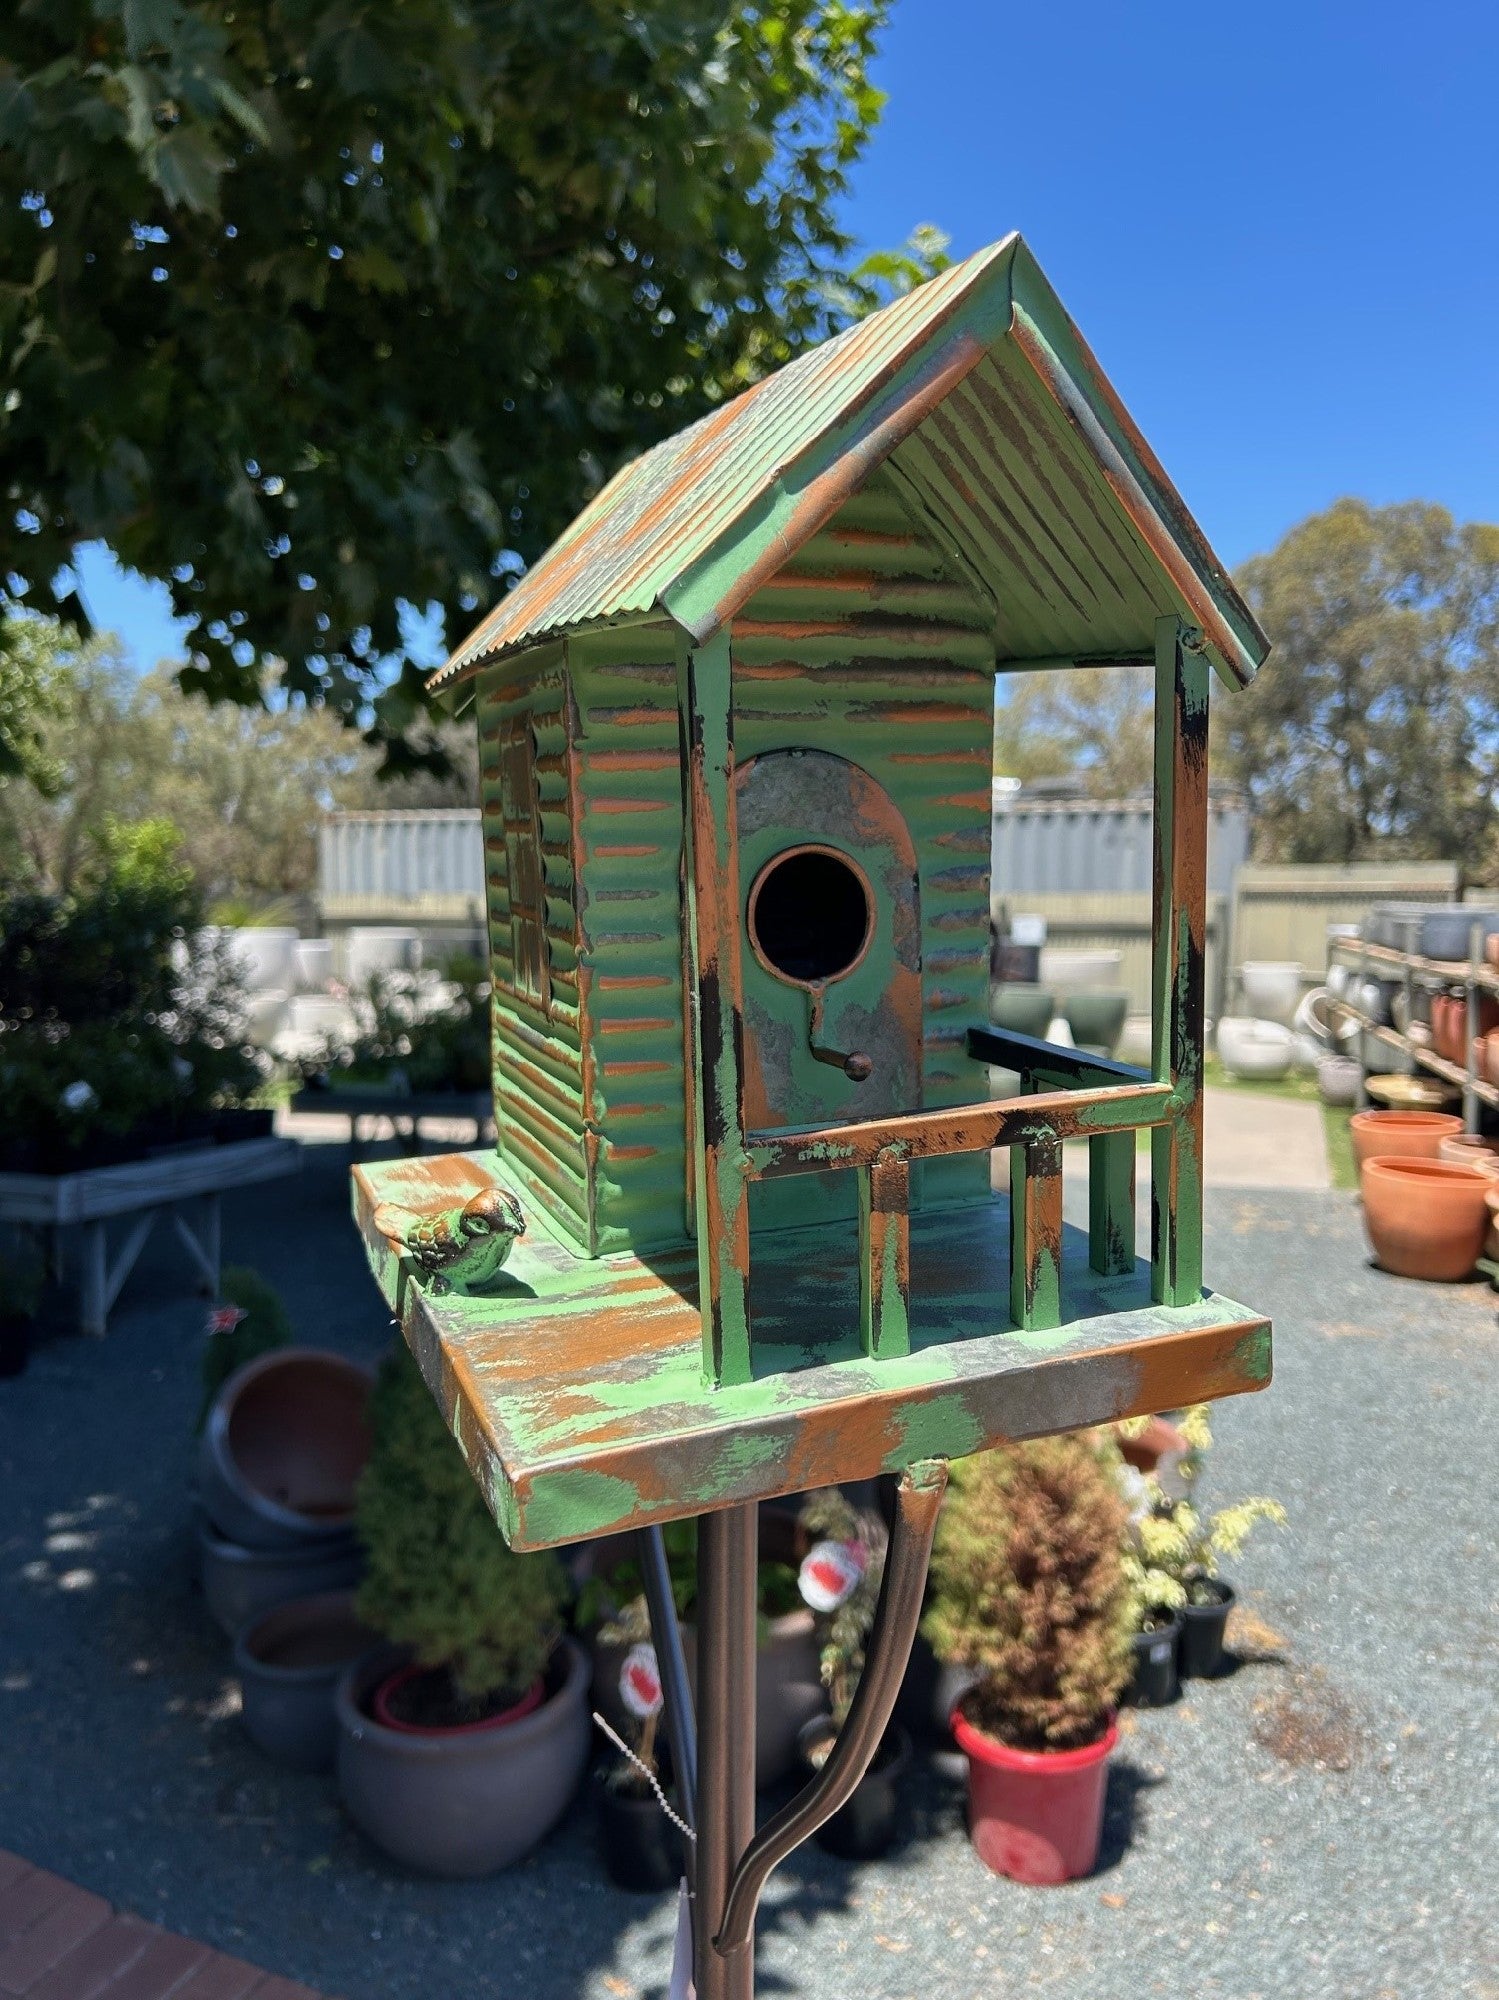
<point>460,1249</point>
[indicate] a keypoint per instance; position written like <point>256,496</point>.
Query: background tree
<point>1374,727</point>
<point>313,308</point>
<point>1091,723</point>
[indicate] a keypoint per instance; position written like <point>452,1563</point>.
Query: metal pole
<point>727,1552</point>
<point>666,1634</point>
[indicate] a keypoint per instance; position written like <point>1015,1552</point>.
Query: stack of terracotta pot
<point>1426,1187</point>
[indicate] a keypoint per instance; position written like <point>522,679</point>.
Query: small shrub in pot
<point>1030,1591</point>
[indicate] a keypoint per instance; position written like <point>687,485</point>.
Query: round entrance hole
<point>810,915</point>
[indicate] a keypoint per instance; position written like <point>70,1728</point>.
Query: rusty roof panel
<point>980,392</point>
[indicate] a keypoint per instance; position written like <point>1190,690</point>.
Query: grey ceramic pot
<point>283,1448</point>
<point>465,1801</point>
<point>1096,1019</point>
<point>239,1584</point>
<point>1024,1010</point>
<point>289,1661</point>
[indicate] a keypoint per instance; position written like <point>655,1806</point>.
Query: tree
<point>1374,726</point>
<point>244,787</point>
<point>314,306</point>
<point>1094,723</point>
<point>31,694</point>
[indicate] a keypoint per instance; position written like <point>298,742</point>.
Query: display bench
<point>404,1108</point>
<point>1471,978</point>
<point>183,1185</point>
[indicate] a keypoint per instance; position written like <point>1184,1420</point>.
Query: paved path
<point>1252,1140</point>
<point>57,1942</point>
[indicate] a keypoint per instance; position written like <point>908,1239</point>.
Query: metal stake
<point>666,1635</point>
<point>727,1561</point>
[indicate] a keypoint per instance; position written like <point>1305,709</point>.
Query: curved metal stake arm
<point>918,1499</point>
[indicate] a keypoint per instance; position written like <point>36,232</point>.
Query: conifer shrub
<point>441,1579</point>
<point>1030,1590</point>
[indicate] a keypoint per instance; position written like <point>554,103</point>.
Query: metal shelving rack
<point>1473,976</point>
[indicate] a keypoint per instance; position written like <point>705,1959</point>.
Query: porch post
<point>714,998</point>
<point>1180,930</point>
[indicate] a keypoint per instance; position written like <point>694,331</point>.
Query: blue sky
<point>1277,226</point>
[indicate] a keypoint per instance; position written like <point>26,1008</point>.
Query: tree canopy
<point>314,306</point>
<point>1374,726</point>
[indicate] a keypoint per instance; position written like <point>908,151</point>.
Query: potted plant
<point>639,1833</point>
<point>459,1745</point>
<point>21,1285</point>
<point>1030,1590</point>
<point>1180,1552</point>
<point>788,1691</point>
<point>840,1579</point>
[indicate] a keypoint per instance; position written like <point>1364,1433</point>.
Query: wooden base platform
<point>575,1386</point>
<point>58,1942</point>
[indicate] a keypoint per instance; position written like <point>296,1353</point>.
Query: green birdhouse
<point>736,731</point>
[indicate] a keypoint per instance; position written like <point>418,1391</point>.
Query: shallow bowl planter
<point>1447,934</point>
<point>1155,1681</point>
<point>1411,1093</point>
<point>1035,1815</point>
<point>1024,1010</point>
<point>1096,1019</point>
<point>1424,1218</point>
<point>284,1446</point>
<point>1410,1135</point>
<point>1261,1050</point>
<point>1467,1149</point>
<point>642,1850</point>
<point>1200,1656</point>
<point>1271,988</point>
<point>240,1584</point>
<point>289,1661</point>
<point>465,1801</point>
<point>864,1827</point>
<point>1067,967</point>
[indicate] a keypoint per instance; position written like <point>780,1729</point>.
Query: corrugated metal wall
<point>1283,912</point>
<point>1087,846</point>
<point>401,867</point>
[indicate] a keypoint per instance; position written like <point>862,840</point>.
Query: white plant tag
<point>640,1682</point>
<point>682,1987</point>
<point>830,1573</point>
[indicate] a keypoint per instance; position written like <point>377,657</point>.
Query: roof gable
<point>1004,434</point>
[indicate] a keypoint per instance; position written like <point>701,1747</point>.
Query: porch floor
<point>575,1387</point>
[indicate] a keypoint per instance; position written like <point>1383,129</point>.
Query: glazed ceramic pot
<point>1023,1010</point>
<point>1313,1018</point>
<point>1412,1135</point>
<point>1466,1149</point>
<point>1447,934</point>
<point>1067,967</point>
<point>1096,1019</point>
<point>1035,1815</point>
<point>1425,1219</point>
<point>289,1661</point>
<point>1262,1050</point>
<point>1272,989</point>
<point>283,1448</point>
<point>1338,1079</point>
<point>464,1801</point>
<point>240,1584</point>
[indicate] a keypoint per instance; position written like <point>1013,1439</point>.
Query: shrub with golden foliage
<point>1030,1590</point>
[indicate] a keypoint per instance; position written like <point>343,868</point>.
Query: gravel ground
<point>1322,1822</point>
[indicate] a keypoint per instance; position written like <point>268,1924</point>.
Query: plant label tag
<point>640,1682</point>
<point>681,1987</point>
<point>1160,1652</point>
<point>831,1572</point>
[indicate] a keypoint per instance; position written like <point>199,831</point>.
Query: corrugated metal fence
<point>1088,846</point>
<point>401,867</point>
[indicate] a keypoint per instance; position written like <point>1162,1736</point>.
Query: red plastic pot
<point>381,1709</point>
<point>1035,1815</point>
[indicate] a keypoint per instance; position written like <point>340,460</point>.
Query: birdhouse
<point>736,732</point>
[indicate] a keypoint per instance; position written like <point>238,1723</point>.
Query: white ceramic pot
<point>321,1014</point>
<point>1272,988</point>
<point>1338,1080</point>
<point>268,1014</point>
<point>266,958</point>
<point>1065,969</point>
<point>1135,1041</point>
<point>380,948</point>
<point>1260,1049</point>
<point>1312,1017</point>
<point>314,964</point>
<point>1338,977</point>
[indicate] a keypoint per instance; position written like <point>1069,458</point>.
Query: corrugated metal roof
<point>691,527</point>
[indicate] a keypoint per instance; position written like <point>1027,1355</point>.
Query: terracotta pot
<point>289,1661</point>
<point>1491,1241</point>
<point>1425,1219</point>
<point>461,1802</point>
<point>1449,1026</point>
<point>1407,1135</point>
<point>1035,1815</point>
<point>1157,1448</point>
<point>283,1448</point>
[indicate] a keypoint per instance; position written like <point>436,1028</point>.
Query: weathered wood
<point>1180,925</point>
<point>1111,1203</point>
<point>885,1258</point>
<point>634,1439</point>
<point>721,1201</point>
<point>1036,1232</point>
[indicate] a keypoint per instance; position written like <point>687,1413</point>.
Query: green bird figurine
<point>460,1249</point>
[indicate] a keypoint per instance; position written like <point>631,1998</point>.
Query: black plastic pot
<point>1201,1653</point>
<point>642,1850</point>
<point>864,1827</point>
<point>1155,1683</point>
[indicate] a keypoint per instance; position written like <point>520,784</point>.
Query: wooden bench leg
<point>202,1245</point>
